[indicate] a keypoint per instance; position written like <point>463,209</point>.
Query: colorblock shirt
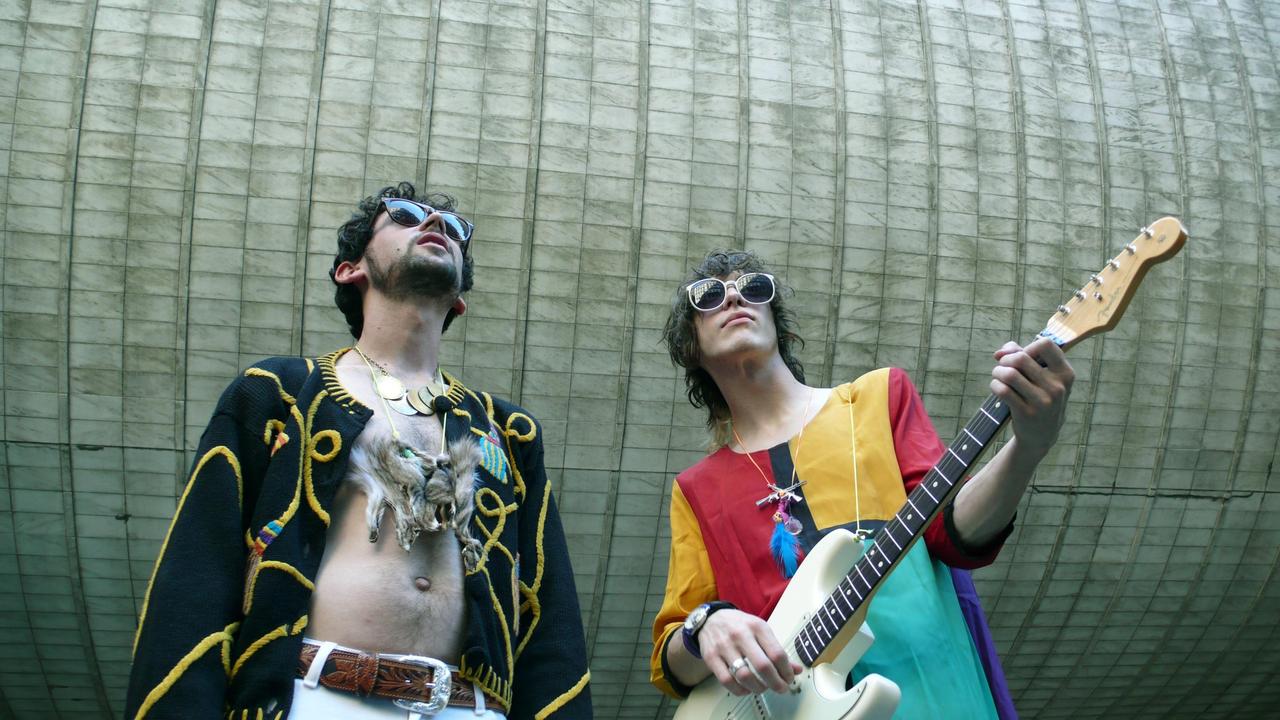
<point>868,446</point>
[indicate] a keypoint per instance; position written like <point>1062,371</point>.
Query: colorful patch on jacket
<point>493,456</point>
<point>266,536</point>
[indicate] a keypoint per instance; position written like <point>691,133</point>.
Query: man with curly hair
<point>790,463</point>
<point>362,535</point>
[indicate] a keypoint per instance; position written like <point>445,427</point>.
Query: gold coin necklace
<point>428,399</point>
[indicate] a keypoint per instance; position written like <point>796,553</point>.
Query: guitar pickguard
<point>819,692</point>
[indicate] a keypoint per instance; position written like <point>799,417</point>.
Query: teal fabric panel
<point>929,652</point>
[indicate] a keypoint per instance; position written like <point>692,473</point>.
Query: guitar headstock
<point>1098,306</point>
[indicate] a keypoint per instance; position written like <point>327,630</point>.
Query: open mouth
<point>433,238</point>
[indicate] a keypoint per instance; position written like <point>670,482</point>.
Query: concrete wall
<point>933,178</point>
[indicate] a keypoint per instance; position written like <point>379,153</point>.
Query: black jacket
<point>226,609</point>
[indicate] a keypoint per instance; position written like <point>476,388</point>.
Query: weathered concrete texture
<point>933,178</point>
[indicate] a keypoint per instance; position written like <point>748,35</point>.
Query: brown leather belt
<point>408,680</point>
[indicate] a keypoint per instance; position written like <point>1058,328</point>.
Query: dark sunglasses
<point>709,294</point>
<point>411,214</point>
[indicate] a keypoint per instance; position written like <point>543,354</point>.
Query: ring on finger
<point>753,670</point>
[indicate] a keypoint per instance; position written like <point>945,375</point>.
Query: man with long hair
<point>791,462</point>
<point>362,535</point>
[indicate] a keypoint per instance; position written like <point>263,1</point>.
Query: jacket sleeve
<point>690,582</point>
<point>192,607</point>
<point>551,675</point>
<point>918,447</point>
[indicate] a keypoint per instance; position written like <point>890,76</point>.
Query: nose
<point>731,295</point>
<point>435,218</point>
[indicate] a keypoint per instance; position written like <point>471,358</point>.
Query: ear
<point>460,306</point>
<point>348,273</point>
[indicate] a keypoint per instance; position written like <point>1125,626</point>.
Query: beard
<point>413,276</point>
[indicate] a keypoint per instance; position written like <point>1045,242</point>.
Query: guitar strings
<point>743,702</point>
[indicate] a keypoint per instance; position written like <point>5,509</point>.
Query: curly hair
<point>682,339</point>
<point>354,237</point>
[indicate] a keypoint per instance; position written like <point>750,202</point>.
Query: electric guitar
<point>819,618</point>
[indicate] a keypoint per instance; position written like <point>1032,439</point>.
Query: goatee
<point>412,276</point>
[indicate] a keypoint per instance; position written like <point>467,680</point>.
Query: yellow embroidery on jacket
<point>224,637</point>
<point>234,462</point>
<point>283,631</point>
<point>532,599</point>
<point>259,372</point>
<point>497,510</point>
<point>332,386</point>
<point>281,437</point>
<point>487,679</point>
<point>286,568</point>
<point>312,454</point>
<point>524,436</point>
<point>564,697</point>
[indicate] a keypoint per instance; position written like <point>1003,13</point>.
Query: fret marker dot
<point>880,565</point>
<point>935,483</point>
<point>910,517</point>
<point>997,403</point>
<point>964,447</point>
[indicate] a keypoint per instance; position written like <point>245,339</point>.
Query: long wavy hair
<point>354,237</point>
<point>682,339</point>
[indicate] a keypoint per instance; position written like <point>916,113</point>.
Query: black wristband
<point>698,619</point>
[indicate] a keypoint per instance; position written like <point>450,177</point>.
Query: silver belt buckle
<point>440,685</point>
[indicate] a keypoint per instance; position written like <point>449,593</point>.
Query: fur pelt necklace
<point>425,492</point>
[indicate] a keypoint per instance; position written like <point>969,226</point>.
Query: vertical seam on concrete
<point>307,198</point>
<point>530,203</point>
<point>67,471</point>
<point>744,122</point>
<point>1180,154</point>
<point>1259,328</point>
<point>1259,182</point>
<point>933,160</point>
<point>1144,512</point>
<point>1167,64</point>
<point>1184,180</point>
<point>1019,238</point>
<point>633,274</point>
<point>429,95</point>
<point>841,133</point>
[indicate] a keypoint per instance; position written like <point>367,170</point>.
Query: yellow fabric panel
<point>690,582</point>
<point>823,456</point>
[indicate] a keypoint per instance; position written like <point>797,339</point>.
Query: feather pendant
<point>786,550</point>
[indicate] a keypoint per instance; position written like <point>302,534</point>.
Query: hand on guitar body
<point>727,636</point>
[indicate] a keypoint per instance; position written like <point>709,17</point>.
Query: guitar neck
<point>891,542</point>
<point>1094,308</point>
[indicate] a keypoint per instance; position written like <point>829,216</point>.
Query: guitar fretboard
<point>894,538</point>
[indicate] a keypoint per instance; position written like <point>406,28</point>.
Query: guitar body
<point>821,693</point>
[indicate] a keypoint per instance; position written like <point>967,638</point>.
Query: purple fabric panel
<point>971,606</point>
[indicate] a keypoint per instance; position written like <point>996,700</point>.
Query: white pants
<point>317,702</point>
<point>321,703</point>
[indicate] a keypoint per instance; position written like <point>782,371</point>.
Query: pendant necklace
<point>783,544</point>
<point>429,399</point>
<point>394,396</point>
